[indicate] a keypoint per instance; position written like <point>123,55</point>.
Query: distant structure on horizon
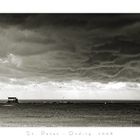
<point>12,100</point>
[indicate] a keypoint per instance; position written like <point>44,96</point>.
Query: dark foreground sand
<point>81,114</point>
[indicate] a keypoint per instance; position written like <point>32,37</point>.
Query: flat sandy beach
<point>78,114</point>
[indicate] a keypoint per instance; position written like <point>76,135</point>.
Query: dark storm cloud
<point>77,20</point>
<point>102,47</point>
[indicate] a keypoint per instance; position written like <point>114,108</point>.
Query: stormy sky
<point>78,56</point>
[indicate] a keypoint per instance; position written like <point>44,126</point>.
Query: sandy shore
<point>81,114</point>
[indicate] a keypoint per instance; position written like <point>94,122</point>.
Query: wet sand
<point>70,114</point>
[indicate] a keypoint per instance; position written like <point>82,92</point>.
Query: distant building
<point>12,100</point>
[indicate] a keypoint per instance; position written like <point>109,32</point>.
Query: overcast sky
<point>71,49</point>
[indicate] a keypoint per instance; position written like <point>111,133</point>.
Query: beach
<point>69,114</point>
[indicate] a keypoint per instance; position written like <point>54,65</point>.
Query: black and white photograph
<point>69,70</point>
